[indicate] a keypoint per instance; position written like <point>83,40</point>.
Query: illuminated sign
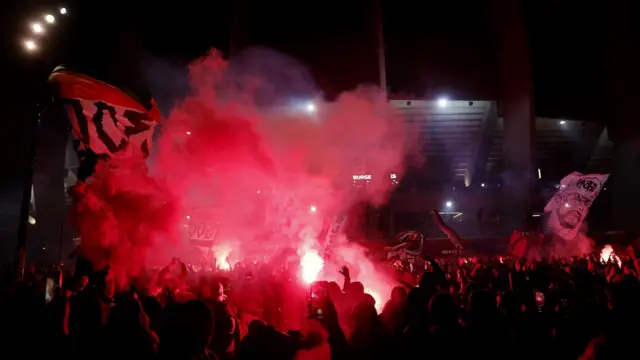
<point>454,252</point>
<point>362,177</point>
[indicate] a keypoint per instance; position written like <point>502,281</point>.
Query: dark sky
<point>432,46</point>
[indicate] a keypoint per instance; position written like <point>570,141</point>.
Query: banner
<point>105,119</point>
<point>202,231</point>
<point>409,249</point>
<point>570,205</point>
<point>335,228</point>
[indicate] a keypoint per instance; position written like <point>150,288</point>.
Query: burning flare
<point>311,264</point>
<point>222,252</point>
<point>608,253</point>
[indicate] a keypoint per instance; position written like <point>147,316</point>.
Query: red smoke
<point>121,213</point>
<point>256,169</point>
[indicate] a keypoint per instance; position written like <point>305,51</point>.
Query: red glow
<point>234,148</point>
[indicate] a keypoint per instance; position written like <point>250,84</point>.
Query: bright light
<point>311,107</point>
<point>608,253</point>
<point>311,264</point>
<point>539,173</point>
<point>63,11</point>
<point>188,132</point>
<point>442,102</point>
<point>562,122</point>
<point>188,217</point>
<point>258,192</point>
<point>377,298</point>
<point>31,220</point>
<point>566,205</point>
<point>482,184</point>
<point>30,45</point>
<point>449,204</point>
<point>49,19</point>
<point>37,28</point>
<point>222,252</point>
<point>313,208</point>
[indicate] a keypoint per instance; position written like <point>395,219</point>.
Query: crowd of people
<point>500,307</point>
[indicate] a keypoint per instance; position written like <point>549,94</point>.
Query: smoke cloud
<point>255,149</point>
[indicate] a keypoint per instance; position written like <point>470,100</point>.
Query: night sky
<point>432,47</point>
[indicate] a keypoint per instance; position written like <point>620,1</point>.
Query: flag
<point>570,205</point>
<point>105,120</point>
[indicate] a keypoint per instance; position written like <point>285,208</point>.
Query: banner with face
<point>571,203</point>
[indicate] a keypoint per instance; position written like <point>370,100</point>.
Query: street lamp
<point>49,19</point>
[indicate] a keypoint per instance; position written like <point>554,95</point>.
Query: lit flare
<point>311,264</point>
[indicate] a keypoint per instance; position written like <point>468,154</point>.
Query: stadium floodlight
<point>30,45</point>
<point>311,108</point>
<point>37,28</point>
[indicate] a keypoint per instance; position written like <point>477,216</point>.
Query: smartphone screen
<point>318,296</point>
<point>49,290</point>
<point>539,300</point>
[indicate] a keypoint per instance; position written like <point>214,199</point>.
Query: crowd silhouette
<point>501,307</point>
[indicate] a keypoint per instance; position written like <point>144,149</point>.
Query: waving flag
<point>105,120</point>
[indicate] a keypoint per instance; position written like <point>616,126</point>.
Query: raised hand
<point>344,271</point>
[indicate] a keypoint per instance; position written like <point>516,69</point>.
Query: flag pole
<point>25,203</point>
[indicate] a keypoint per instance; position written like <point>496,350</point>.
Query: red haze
<point>255,166</point>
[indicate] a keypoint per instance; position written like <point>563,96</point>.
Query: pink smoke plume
<point>271,173</point>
